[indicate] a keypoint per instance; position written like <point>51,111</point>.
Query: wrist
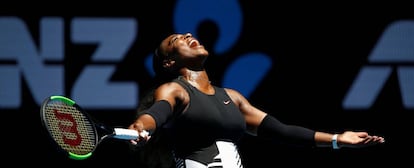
<point>335,141</point>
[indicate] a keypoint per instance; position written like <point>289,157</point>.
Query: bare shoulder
<point>232,92</point>
<point>235,95</point>
<point>171,91</point>
<point>170,87</point>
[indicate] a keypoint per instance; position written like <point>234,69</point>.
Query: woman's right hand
<point>143,135</point>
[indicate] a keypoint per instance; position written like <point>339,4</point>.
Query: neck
<point>196,76</point>
<point>199,79</point>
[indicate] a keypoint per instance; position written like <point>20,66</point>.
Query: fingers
<point>144,135</point>
<point>142,138</point>
<point>372,140</point>
<point>367,140</point>
<point>378,139</point>
<point>382,140</point>
<point>133,142</point>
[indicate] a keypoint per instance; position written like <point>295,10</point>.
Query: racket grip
<point>123,133</point>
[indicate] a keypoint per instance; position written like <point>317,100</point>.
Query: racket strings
<point>70,128</point>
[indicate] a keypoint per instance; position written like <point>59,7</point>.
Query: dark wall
<point>308,59</point>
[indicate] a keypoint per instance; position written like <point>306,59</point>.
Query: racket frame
<point>72,103</point>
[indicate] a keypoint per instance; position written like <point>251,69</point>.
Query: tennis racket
<point>74,131</point>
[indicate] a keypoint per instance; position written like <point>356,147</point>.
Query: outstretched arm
<point>293,134</point>
<point>265,125</point>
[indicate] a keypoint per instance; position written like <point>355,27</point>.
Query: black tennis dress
<point>204,135</point>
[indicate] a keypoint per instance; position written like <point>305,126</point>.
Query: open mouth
<point>193,43</point>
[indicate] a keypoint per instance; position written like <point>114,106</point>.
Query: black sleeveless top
<point>207,119</point>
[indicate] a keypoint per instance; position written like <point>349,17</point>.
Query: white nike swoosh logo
<point>226,102</point>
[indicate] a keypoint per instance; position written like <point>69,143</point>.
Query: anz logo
<point>40,61</point>
<point>22,58</point>
<point>394,51</point>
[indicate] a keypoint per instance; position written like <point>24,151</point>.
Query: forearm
<point>153,117</point>
<point>291,134</point>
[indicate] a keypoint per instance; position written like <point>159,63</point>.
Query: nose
<point>188,35</point>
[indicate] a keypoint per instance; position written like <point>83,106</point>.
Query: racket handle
<point>128,134</point>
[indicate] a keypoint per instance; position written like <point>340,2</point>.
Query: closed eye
<point>173,40</point>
